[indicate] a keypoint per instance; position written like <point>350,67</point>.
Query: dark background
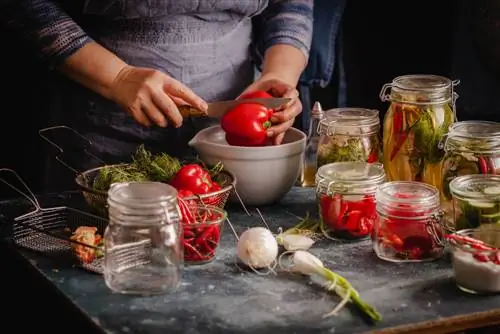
<point>384,39</point>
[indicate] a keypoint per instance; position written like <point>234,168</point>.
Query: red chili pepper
<point>372,157</point>
<point>247,124</point>
<point>192,177</point>
<point>401,134</point>
<point>483,165</point>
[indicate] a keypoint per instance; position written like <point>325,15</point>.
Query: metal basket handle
<point>26,192</point>
<point>42,133</point>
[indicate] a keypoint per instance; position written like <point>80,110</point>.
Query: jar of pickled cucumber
<point>421,111</point>
<point>476,200</point>
<point>471,147</point>
<point>349,134</point>
<point>346,197</point>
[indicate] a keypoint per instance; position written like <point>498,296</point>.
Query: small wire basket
<point>97,199</point>
<point>49,230</point>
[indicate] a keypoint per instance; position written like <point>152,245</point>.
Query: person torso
<point>202,43</point>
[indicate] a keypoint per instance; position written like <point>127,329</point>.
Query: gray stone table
<point>220,298</point>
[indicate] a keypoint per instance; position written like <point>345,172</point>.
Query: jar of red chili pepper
<point>349,134</point>
<point>409,227</point>
<point>142,242</point>
<point>202,230</point>
<point>422,108</point>
<point>471,147</point>
<point>346,197</point>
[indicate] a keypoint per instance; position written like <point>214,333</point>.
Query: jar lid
<point>476,187</point>
<point>474,129</point>
<point>349,121</point>
<point>142,195</point>
<point>419,89</point>
<point>473,136</point>
<point>408,196</point>
<point>349,177</point>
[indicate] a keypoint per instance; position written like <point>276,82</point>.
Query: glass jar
<point>143,252</point>
<point>349,134</point>
<point>471,147</point>
<point>346,197</point>
<point>421,111</point>
<point>409,227</point>
<point>476,200</point>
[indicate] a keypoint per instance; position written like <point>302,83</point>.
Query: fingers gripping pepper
<point>247,124</point>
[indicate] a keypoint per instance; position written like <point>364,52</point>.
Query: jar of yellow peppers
<point>421,111</point>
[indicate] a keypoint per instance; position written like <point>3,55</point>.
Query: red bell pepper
<point>247,124</point>
<point>194,178</point>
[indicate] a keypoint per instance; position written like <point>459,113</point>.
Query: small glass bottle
<point>422,108</point>
<point>346,197</point>
<point>349,134</point>
<point>309,165</point>
<point>471,147</point>
<point>476,201</point>
<point>143,251</point>
<point>409,227</point>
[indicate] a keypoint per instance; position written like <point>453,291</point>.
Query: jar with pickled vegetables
<point>421,111</point>
<point>349,134</point>
<point>471,147</point>
<point>409,225</point>
<point>346,197</point>
<point>476,200</point>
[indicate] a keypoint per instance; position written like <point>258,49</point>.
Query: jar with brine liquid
<point>349,134</point>
<point>420,112</point>
<point>471,147</point>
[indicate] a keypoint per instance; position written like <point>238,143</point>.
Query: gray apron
<point>209,52</point>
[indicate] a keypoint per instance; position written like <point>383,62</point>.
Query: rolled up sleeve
<point>284,22</point>
<point>49,31</point>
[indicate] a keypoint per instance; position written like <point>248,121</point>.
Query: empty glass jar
<point>143,251</point>
<point>409,227</point>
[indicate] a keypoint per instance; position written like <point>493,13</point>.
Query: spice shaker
<point>409,226</point>
<point>422,108</point>
<point>143,252</point>
<point>346,197</point>
<point>349,134</point>
<point>309,165</point>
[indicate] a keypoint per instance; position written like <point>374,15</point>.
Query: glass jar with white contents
<point>143,251</point>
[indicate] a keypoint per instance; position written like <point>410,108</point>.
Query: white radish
<point>257,248</point>
<point>293,242</point>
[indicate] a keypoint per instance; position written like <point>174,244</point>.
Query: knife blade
<point>220,108</point>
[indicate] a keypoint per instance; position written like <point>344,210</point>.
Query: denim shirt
<point>325,54</point>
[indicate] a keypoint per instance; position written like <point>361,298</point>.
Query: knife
<point>220,108</point>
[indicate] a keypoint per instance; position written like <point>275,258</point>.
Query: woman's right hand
<point>151,96</point>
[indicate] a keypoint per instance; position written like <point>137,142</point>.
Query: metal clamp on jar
<point>346,196</point>
<point>409,227</point>
<point>422,109</point>
<point>349,134</point>
<point>143,252</point>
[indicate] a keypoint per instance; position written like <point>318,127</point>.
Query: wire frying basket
<point>97,199</point>
<point>49,230</point>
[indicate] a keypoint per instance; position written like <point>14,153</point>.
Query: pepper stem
<point>267,124</point>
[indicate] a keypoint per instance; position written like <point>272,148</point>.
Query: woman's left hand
<point>284,117</point>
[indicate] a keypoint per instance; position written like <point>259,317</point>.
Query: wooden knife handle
<point>190,111</point>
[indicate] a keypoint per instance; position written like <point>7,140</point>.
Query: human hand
<point>284,117</point>
<point>151,96</point>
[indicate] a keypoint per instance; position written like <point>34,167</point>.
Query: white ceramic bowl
<point>263,174</point>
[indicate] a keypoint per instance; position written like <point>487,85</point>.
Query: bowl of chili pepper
<point>264,173</point>
<point>202,228</point>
